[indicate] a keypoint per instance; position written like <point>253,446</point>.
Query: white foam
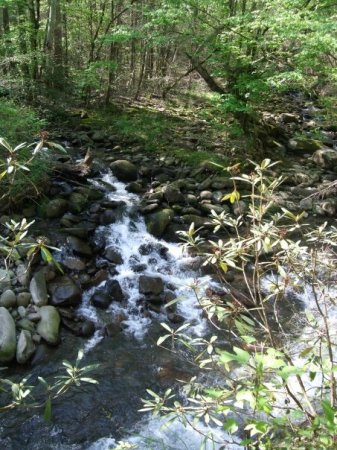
<point>126,236</point>
<point>154,435</point>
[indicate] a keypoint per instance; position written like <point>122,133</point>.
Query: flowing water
<point>95,417</point>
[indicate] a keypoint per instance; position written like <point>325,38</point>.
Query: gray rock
<point>124,170</point>
<point>173,195</point>
<point>74,264</point>
<point>26,324</point>
<point>326,158</point>
<point>306,204</point>
<point>77,202</point>
<point>114,290</point>
<point>56,208</point>
<point>134,187</point>
<point>23,274</point>
<point>304,145</point>
<point>325,207</point>
<point>112,255</point>
<point>38,289</point>
<point>25,348</point>
<point>239,208</point>
<point>22,311</point>
<point>7,336</point>
<point>208,208</point>
<point>197,220</point>
<point>157,223</point>
<point>206,195</point>
<point>79,247</point>
<point>65,292</point>
<point>101,299</point>
<point>5,279</point>
<point>150,285</point>
<point>49,325</point>
<point>8,299</point>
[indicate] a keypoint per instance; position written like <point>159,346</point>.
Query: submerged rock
<point>7,336</point>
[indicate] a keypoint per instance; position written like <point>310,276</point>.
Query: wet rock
<point>114,290</point>
<point>175,318</point>
<point>49,325</point>
<point>112,255</point>
<point>56,208</point>
<point>326,158</point>
<point>101,299</point>
<point>65,292</point>
<point>112,329</point>
<point>124,170</point>
<point>157,223</point>
<point>107,217</point>
<point>8,299</point>
<point>150,285</point>
<point>38,289</point>
<point>25,348</point>
<point>7,336</point>
<point>42,355</point>
<point>79,247</point>
<point>81,328</point>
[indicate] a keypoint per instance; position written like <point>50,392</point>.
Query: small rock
<point>56,208</point>
<point>38,289</point>
<point>25,348</point>
<point>8,299</point>
<point>112,255</point>
<point>7,336</point>
<point>79,247</point>
<point>150,285</point>
<point>65,292</point>
<point>49,325</point>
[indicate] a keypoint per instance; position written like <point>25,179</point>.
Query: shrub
<point>278,391</point>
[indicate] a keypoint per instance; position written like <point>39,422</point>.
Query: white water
<point>126,236</point>
<point>154,435</point>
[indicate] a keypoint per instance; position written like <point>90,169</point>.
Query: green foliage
<point>278,392</point>
<point>18,122</point>
<point>21,394</point>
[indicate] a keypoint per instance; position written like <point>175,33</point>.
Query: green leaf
<point>329,412</point>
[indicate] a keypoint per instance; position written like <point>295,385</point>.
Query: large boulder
<point>25,348</point>
<point>150,285</point>
<point>124,170</point>
<point>7,336</point>
<point>326,158</point>
<point>38,289</point>
<point>114,290</point>
<point>65,292</point>
<point>77,202</point>
<point>157,223</point>
<point>49,324</point>
<point>112,255</point>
